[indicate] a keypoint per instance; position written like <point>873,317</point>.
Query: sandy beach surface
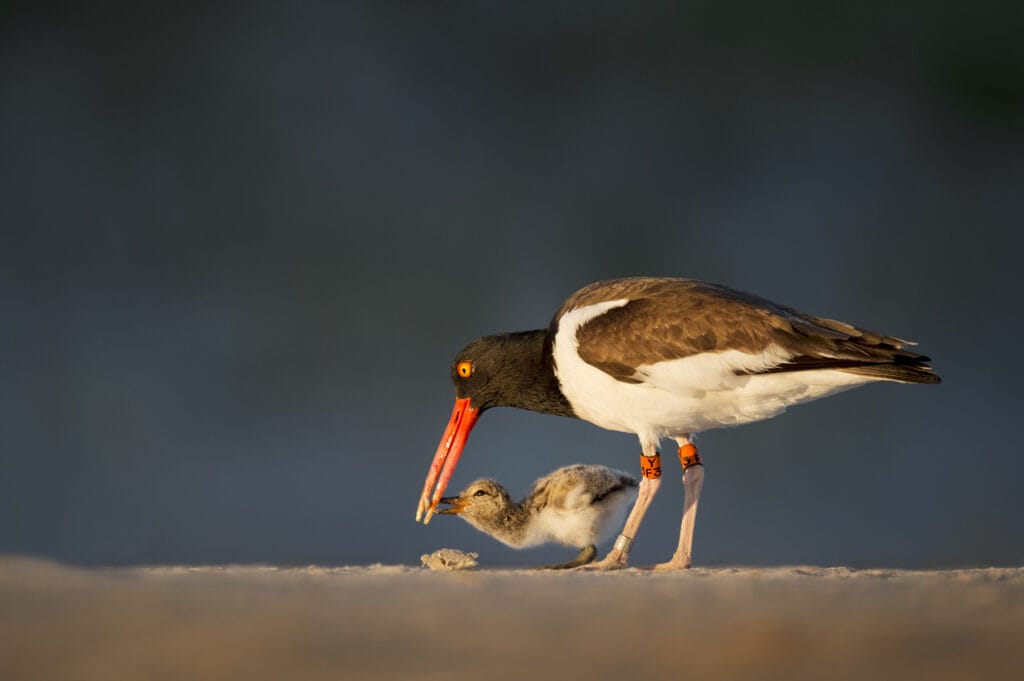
<point>403,622</point>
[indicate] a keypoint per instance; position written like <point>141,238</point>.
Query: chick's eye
<point>464,369</point>
<point>480,493</point>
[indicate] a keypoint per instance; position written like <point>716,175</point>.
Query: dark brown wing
<point>670,319</point>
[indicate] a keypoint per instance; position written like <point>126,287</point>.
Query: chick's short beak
<point>457,505</point>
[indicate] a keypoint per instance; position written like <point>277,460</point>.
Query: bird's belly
<point>580,527</point>
<point>570,529</point>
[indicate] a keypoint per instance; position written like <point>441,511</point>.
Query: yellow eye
<point>464,369</point>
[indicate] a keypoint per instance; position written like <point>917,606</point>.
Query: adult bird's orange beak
<point>464,416</point>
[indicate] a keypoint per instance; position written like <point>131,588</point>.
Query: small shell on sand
<point>449,559</point>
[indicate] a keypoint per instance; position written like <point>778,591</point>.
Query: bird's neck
<point>528,377</point>
<point>510,526</point>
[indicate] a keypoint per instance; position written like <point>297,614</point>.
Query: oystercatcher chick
<point>664,358</point>
<point>578,506</point>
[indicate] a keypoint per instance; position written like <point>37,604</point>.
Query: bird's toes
<point>609,562</point>
<point>674,564</point>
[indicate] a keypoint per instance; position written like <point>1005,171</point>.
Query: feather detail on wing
<point>669,319</point>
<point>574,488</point>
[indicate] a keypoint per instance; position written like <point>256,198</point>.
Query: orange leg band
<point>689,456</point>
<point>650,466</point>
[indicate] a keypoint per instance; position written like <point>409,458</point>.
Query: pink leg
<point>693,480</point>
<point>617,557</point>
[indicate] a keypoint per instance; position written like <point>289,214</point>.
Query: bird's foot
<point>675,563</point>
<point>615,560</point>
<point>587,555</point>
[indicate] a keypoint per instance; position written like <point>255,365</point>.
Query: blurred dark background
<point>241,243</point>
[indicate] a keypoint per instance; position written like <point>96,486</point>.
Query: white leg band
<point>623,544</point>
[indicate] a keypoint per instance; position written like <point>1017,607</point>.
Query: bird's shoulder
<point>577,487</point>
<point>661,319</point>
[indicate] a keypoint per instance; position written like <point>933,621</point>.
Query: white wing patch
<point>710,370</point>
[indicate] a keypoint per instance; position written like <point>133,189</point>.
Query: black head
<point>479,371</point>
<point>509,370</point>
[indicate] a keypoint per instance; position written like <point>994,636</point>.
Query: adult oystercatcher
<point>663,357</point>
<point>576,505</point>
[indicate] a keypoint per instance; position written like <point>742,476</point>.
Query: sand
<point>404,622</point>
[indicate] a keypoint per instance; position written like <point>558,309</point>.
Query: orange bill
<point>463,418</point>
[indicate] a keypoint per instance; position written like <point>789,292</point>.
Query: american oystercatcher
<point>576,505</point>
<point>663,357</point>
